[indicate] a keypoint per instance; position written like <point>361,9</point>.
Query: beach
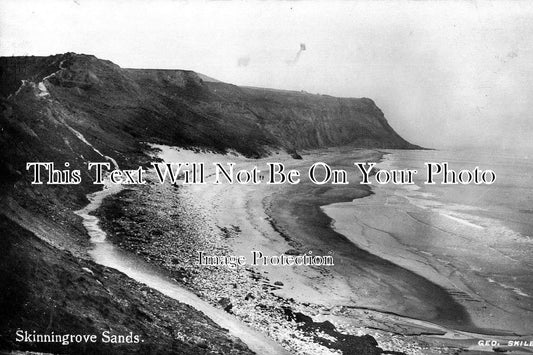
<point>479,254</point>
<point>363,293</point>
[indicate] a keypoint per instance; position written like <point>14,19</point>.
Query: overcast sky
<point>446,73</point>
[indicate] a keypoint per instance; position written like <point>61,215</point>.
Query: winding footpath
<point>106,254</point>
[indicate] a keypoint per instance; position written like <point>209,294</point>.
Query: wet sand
<point>480,262</point>
<point>361,292</point>
<point>359,279</point>
<point>275,219</point>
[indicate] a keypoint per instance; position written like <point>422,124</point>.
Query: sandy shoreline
<point>366,281</point>
<point>361,292</point>
<point>451,254</point>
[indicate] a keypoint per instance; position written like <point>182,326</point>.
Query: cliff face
<point>302,121</point>
<point>77,108</point>
<point>276,118</point>
<point>120,107</point>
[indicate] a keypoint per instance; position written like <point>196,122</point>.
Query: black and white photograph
<point>266,177</point>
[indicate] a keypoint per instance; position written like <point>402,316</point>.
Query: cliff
<point>124,106</point>
<point>77,108</point>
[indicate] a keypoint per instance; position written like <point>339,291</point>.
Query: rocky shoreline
<point>134,220</point>
<point>78,109</point>
<point>166,227</point>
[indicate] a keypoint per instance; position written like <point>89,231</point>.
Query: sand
<point>483,263</point>
<point>275,219</point>
<point>362,293</point>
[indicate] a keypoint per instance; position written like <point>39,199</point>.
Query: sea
<point>474,240</point>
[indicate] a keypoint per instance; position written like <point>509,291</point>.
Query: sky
<point>447,74</point>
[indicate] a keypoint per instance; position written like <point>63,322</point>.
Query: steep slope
<point>178,107</point>
<point>49,290</point>
<point>267,117</point>
<point>77,108</point>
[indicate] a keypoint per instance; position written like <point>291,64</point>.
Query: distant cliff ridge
<point>120,107</point>
<point>71,109</point>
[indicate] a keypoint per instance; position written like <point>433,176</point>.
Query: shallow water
<point>473,240</point>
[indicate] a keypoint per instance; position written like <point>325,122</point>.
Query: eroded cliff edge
<point>178,107</point>
<point>78,108</point>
